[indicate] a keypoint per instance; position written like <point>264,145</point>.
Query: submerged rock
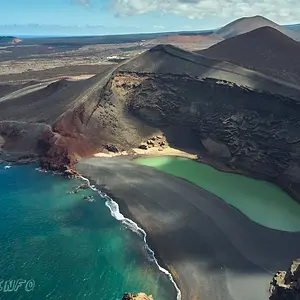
<point>286,285</point>
<point>139,296</point>
<point>89,198</point>
<point>78,189</point>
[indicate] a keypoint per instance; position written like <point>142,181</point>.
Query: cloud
<point>277,10</point>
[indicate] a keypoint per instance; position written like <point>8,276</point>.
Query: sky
<point>98,17</point>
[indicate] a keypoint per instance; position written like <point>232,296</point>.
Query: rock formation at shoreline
<point>286,285</point>
<point>139,296</point>
<point>243,119</point>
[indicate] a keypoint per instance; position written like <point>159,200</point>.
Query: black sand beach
<point>212,250</point>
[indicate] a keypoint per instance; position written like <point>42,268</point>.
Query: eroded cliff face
<point>286,285</point>
<point>67,131</point>
<point>247,130</point>
<point>22,137</point>
<point>252,131</point>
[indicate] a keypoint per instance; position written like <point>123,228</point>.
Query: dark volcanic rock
<point>250,130</point>
<point>143,146</point>
<point>22,136</point>
<point>286,285</point>
<point>140,296</point>
<point>26,159</point>
<point>111,148</point>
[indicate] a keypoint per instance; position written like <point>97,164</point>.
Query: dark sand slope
<point>213,251</point>
<point>264,50</point>
<point>170,60</point>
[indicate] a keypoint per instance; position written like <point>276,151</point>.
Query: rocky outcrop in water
<point>139,296</point>
<point>286,285</point>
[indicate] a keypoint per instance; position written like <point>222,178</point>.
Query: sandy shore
<point>212,250</point>
<point>168,151</point>
<point>291,189</point>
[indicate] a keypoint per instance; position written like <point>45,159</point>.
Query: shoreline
<point>131,187</point>
<point>174,212</point>
<point>128,218</point>
<point>200,157</point>
<point>108,195</point>
<point>16,158</point>
<point>123,209</point>
<point>218,165</point>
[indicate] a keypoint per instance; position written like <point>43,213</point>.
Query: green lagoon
<point>261,201</point>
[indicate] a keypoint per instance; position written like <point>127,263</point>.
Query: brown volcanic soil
<point>244,25</point>
<point>200,103</point>
<point>264,50</point>
<point>55,72</point>
<point>187,38</point>
<point>188,42</point>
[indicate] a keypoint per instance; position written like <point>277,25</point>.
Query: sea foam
<point>115,212</point>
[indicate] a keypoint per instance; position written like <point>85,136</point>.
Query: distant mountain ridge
<point>265,50</point>
<point>247,24</point>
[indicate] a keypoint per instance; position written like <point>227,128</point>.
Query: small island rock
<point>139,296</point>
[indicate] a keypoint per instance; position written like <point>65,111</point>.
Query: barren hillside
<point>246,24</point>
<point>188,42</point>
<point>264,50</point>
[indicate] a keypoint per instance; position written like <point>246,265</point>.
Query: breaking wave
<point>115,212</point>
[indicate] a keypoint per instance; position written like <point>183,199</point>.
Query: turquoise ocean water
<point>64,247</point>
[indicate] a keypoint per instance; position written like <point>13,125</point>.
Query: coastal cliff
<point>239,120</point>
<point>286,285</point>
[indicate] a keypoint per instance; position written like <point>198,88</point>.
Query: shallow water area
<point>261,201</point>
<point>71,248</point>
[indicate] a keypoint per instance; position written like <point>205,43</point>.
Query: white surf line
<point>115,212</point>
